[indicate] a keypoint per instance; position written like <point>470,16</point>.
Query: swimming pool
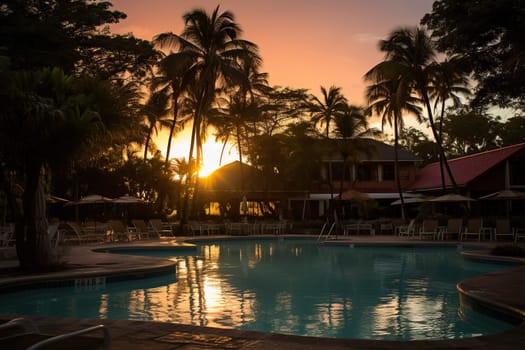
<point>288,286</point>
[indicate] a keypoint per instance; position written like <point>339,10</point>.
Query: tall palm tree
<point>212,43</point>
<point>412,51</point>
<point>389,97</point>
<point>324,110</point>
<point>449,82</point>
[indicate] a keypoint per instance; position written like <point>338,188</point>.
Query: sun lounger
<point>407,230</point>
<point>20,333</point>
<point>454,227</point>
<point>143,230</point>
<point>503,229</point>
<point>429,228</point>
<point>161,228</point>
<point>474,228</point>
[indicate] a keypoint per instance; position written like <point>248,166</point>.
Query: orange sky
<point>303,43</point>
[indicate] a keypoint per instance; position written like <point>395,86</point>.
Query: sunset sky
<point>303,43</point>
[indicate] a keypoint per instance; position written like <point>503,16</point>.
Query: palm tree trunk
<point>396,167</point>
<point>148,139</point>
<point>175,99</point>
<point>438,140</point>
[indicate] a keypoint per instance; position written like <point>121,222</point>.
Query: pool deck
<point>503,291</point>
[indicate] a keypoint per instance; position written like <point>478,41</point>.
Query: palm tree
<point>172,81</point>
<point>351,128</point>
<point>212,44</point>
<point>389,97</point>
<point>449,82</point>
<point>324,110</point>
<point>414,55</point>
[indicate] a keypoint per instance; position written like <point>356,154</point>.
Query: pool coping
<point>469,288</point>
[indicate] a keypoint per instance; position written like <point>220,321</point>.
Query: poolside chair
<point>454,227</point>
<point>519,233</point>
<point>120,231</point>
<point>20,333</point>
<point>503,228</point>
<point>143,230</point>
<point>429,228</point>
<point>474,228</point>
<point>7,235</point>
<point>161,228</point>
<point>407,230</point>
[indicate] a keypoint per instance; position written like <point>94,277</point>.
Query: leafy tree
<point>418,143</point>
<point>458,135</point>
<point>488,36</point>
<point>47,120</point>
<point>72,35</point>
<point>513,131</point>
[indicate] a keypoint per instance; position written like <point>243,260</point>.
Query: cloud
<point>366,38</point>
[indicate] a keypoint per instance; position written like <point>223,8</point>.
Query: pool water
<point>291,287</point>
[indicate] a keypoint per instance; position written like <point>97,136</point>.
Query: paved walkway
<point>502,290</point>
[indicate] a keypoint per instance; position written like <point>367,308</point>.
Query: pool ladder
<point>330,230</point>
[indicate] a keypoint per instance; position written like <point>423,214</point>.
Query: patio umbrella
<point>91,199</point>
<point>127,199</point>
<point>451,197</point>
<point>505,194</point>
<point>410,200</point>
<point>54,199</point>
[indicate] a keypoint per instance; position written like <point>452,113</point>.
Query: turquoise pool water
<point>288,286</point>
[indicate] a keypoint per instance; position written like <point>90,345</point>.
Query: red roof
<point>465,169</point>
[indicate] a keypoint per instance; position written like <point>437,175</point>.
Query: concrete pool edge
<point>511,338</point>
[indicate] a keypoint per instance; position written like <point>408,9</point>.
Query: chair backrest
<point>117,226</point>
<point>503,226</point>
<point>140,225</point>
<point>474,225</point>
<point>156,223</point>
<point>430,225</point>
<point>454,225</point>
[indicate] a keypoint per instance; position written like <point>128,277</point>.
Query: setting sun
<point>211,151</point>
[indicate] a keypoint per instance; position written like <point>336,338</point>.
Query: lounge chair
<point>161,228</point>
<point>454,227</point>
<point>407,230</point>
<point>474,228</point>
<point>143,230</point>
<point>7,235</point>
<point>429,228</point>
<point>503,228</point>
<point>20,333</point>
<point>120,231</point>
<point>519,233</point>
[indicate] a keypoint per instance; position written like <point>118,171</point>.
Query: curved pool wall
<point>164,248</point>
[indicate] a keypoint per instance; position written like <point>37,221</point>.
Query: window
<point>389,172</point>
<point>517,172</point>
<point>367,172</point>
